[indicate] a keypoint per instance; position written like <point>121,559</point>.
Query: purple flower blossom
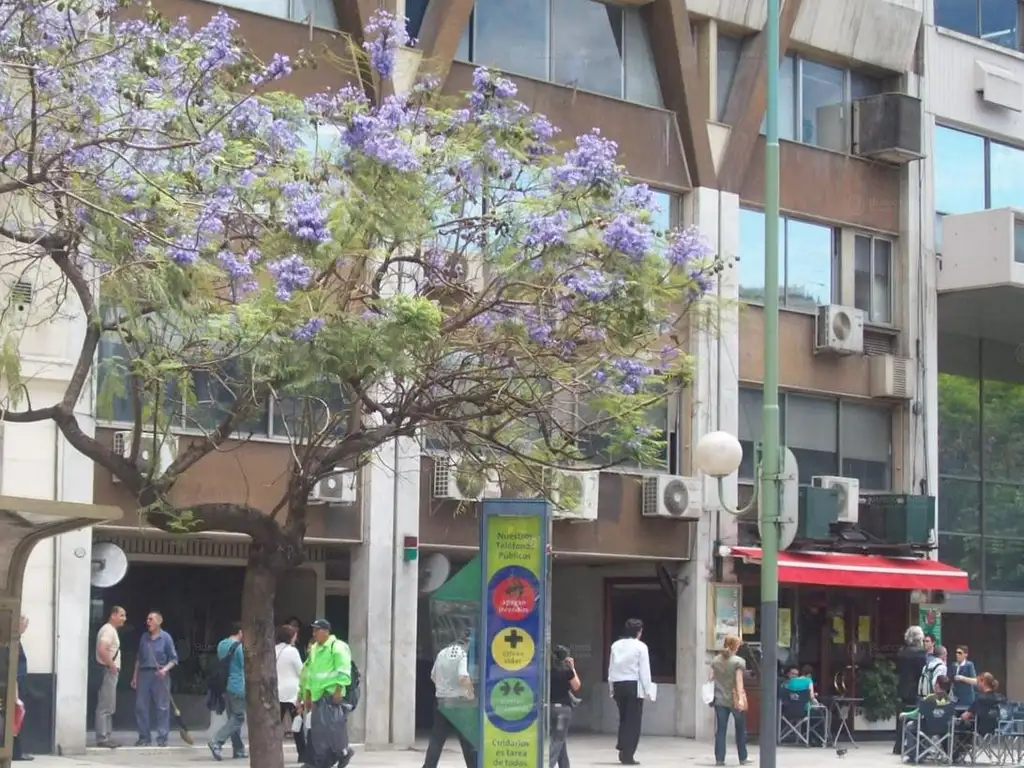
<point>632,374</point>
<point>591,163</point>
<point>589,283</point>
<point>543,231</point>
<point>279,66</point>
<point>306,219</point>
<point>628,236</point>
<point>291,274</point>
<point>686,246</point>
<point>385,33</point>
<point>308,330</point>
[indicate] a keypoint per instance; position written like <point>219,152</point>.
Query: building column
<point>713,406</point>
<point>383,597</point>
<point>1014,683</point>
<point>72,595</point>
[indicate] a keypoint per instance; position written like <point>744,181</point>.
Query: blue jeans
<point>722,729</point>
<point>234,711</point>
<point>154,691</point>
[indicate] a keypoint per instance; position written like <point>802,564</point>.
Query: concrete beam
<point>440,32</point>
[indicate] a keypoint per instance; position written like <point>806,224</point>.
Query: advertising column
<point>513,650</point>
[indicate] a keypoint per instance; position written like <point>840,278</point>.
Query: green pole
<point>771,452</point>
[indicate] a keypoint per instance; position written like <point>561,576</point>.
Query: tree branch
<point>125,471</point>
<point>225,517</point>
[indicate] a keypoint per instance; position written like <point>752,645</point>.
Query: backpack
<point>217,679</point>
<point>926,683</point>
<point>351,699</point>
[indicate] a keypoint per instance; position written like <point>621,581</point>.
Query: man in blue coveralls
<point>152,682</point>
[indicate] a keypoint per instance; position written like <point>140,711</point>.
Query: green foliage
<point>878,687</point>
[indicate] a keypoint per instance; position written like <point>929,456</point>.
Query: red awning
<point>835,569</point>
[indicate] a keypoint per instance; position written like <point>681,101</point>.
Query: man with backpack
<point>330,690</point>
<point>227,685</point>
<point>933,669</point>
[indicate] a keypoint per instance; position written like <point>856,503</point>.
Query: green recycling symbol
<point>512,699</point>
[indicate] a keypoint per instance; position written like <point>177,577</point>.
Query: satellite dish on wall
<point>434,571</point>
<point>109,564</point>
<point>789,501</point>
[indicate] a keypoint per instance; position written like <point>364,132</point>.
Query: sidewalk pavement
<point>585,750</point>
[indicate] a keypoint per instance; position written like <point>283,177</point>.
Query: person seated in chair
<point>799,680</point>
<point>983,712</point>
<point>940,697</point>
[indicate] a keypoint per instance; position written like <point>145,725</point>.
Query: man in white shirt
<point>629,682</point>
<point>108,656</point>
<point>454,690</point>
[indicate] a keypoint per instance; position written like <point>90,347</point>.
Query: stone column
<point>713,399</point>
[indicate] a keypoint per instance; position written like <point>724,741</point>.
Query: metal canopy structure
<point>23,524</point>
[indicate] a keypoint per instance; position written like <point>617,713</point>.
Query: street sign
<point>513,652</point>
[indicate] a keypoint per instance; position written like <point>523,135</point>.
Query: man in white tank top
<point>108,656</point>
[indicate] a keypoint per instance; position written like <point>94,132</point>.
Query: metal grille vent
<point>900,374</point>
<point>443,469</point>
<point>879,343</point>
<point>649,496</point>
<point>189,546</point>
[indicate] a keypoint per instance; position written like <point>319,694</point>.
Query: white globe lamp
<point>718,454</point>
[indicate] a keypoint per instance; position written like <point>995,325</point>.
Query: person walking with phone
<point>565,684</point>
<point>108,656</point>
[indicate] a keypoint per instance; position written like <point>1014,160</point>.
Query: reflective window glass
<point>958,161</point>
<point>513,36</point>
<point>809,256</point>
<point>1006,188</point>
<point>641,77</point>
<point>824,111</point>
<point>1000,21</point>
<point>958,15</point>
<point>586,45</point>
<point>729,51</point>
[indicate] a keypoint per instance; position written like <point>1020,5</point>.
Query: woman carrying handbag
<point>730,699</point>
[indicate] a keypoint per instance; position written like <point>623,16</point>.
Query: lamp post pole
<point>771,467</point>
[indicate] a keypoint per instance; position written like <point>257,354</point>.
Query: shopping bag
<point>19,716</point>
<point>297,724</point>
<point>707,693</point>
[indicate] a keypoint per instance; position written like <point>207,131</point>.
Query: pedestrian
<point>730,698</point>
<point>934,668</point>
<point>152,681</point>
<point>629,683</point>
<point>326,677</point>
<point>910,661</point>
<point>565,684</point>
<point>929,645</point>
<point>453,687</point>
<point>295,624</point>
<point>289,670</point>
<point>965,678</point>
<point>231,655</point>
<point>18,752</point>
<point>108,656</point>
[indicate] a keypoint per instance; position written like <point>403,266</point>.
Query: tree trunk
<point>263,715</point>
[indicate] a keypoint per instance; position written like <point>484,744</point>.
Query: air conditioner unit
<point>337,488</point>
<point>672,496</point>
<point>849,494</point>
<point>165,451</point>
<point>574,495</point>
<point>462,480</point>
<point>839,330</point>
<point>887,127</point>
<point>892,377</point>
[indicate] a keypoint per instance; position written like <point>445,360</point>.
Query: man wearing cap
<point>326,675</point>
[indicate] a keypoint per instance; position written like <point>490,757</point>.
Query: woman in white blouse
<point>289,667</point>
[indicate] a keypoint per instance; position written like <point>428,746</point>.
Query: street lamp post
<point>718,454</point>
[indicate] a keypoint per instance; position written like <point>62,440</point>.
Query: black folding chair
<point>929,736</point>
<point>980,740</point>
<point>801,722</point>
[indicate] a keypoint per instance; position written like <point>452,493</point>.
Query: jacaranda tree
<point>448,267</point>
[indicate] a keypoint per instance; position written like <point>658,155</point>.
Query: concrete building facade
<point>679,84</point>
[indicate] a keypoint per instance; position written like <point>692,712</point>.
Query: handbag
<point>707,693</point>
<point>739,700</point>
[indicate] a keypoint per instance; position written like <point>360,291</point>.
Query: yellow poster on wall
<point>838,630</point>
<point>785,627</point>
<point>863,629</point>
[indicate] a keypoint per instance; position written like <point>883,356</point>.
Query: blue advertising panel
<point>513,648</point>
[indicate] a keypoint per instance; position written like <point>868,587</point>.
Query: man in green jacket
<point>326,675</point>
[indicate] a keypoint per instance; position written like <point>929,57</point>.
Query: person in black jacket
<point>18,753</point>
<point>909,663</point>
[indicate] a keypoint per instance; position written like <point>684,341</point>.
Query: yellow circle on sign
<point>512,649</point>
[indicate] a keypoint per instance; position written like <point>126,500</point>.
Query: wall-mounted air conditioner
<point>672,496</point>
<point>839,330</point>
<point>574,495</point>
<point>849,494</point>
<point>158,449</point>
<point>337,488</point>
<point>887,127</point>
<point>461,479</point>
<point>891,377</point>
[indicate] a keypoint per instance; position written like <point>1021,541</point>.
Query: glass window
<point>214,399</point>
<point>1002,408</point>
<point>278,8</point>
<point>788,106</point>
<point>729,51</point>
<point>1018,241</point>
<point>1007,172</point>
<point>959,506</point>
<point>512,36</point>
<point>462,52</point>
<point>296,417</point>
<point>586,45</point>
<point>1004,565</point>
<point>812,434</point>
<point>415,10</point>
<point>963,552</point>
<point>872,278</point>
<point>866,445</point>
<point>751,254</point>
<point>1003,503</point>
<point>938,233</point>
<point>642,86</point>
<point>959,425</point>
<point>751,426</point>
<point>999,20</point>
<point>596,445</point>
<point>823,108</point>
<point>958,15</point>
<point>809,255</point>
<point>862,85</point>
<point>959,168</point>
